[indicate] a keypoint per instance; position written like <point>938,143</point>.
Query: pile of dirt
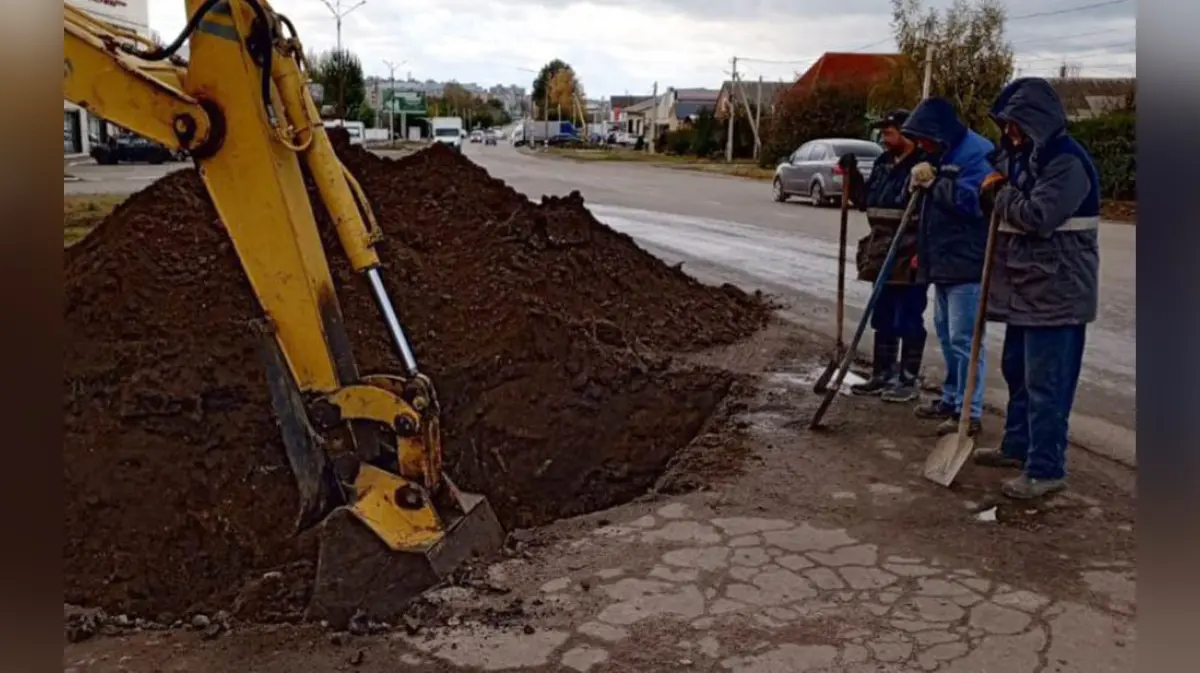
<point>549,336</point>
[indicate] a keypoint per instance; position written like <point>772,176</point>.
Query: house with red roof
<point>847,68</point>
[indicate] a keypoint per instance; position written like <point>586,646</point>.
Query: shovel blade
<point>948,457</point>
<point>822,384</point>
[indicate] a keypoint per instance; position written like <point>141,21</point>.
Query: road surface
<point>728,229</point>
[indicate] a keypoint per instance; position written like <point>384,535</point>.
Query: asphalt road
<point>728,229</point>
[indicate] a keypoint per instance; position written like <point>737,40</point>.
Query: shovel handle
<point>985,284</point>
<point>843,233</point>
<point>909,212</point>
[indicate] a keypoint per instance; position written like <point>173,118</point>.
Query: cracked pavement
<point>763,595</point>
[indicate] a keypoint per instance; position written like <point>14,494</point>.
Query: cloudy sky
<point>619,46</point>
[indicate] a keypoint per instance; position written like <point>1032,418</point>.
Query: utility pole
<point>758,117</point>
<point>653,118</point>
<point>731,110</point>
<point>338,15</point>
<point>749,115</point>
<point>392,104</point>
<point>927,86</point>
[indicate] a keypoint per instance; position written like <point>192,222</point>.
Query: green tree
<point>972,61</point>
<point>559,93</point>
<point>341,75</point>
<point>499,115</point>
<point>459,100</point>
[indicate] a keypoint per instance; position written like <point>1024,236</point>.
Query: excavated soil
<point>549,336</point>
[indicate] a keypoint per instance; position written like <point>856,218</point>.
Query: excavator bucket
<point>385,539</point>
<point>379,553</point>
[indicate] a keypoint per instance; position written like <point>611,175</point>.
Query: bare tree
<point>972,60</point>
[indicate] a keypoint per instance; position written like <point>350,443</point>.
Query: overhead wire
<point>1019,17</point>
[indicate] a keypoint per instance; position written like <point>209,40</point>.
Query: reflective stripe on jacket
<point>1046,271</point>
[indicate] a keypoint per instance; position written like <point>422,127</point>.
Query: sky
<point>625,46</point>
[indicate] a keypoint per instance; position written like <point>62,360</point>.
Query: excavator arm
<point>392,523</point>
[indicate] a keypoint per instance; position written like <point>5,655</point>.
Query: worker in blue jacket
<point>899,315</point>
<point>1044,286</point>
<point>950,248</point>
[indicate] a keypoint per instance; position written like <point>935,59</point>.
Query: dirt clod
<point>549,335</point>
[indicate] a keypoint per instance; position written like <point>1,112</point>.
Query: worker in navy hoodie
<point>952,237</point>
<point>1044,285</point>
<point>899,315</point>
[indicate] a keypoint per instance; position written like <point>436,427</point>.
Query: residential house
<point>635,118</point>
<point>617,106</point>
<point>670,110</point>
<point>837,68</point>
<point>1088,97</point>
<point>683,105</point>
<point>767,92</point>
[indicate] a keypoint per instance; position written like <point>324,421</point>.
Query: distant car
<point>813,169</point>
<point>130,149</point>
<point>476,136</point>
<point>560,139</point>
<point>489,137</point>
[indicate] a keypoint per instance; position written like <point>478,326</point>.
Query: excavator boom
<point>392,523</point>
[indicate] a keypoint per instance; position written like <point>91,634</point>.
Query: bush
<point>826,112</point>
<point>679,141</point>
<point>1112,141</point>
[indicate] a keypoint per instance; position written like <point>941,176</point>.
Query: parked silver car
<point>813,169</point>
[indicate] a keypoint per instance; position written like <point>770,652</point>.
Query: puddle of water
<point>808,378</point>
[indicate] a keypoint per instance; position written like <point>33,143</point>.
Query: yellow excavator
<point>391,523</point>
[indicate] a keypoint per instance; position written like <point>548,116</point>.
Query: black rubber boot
<point>906,386</point>
<point>883,367</point>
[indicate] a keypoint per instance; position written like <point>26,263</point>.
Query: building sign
<point>404,102</point>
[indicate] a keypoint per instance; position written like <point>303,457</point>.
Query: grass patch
<point>82,212</point>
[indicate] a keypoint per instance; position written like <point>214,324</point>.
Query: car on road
<point>813,171</point>
<point>130,149</point>
<point>476,136</point>
<point>489,137</point>
<point>562,139</point>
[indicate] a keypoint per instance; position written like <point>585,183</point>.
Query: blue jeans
<point>900,311</point>
<point>954,312</point>
<point>1041,366</point>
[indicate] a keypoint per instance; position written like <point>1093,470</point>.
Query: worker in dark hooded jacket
<point>950,247</point>
<point>1044,286</point>
<point>899,315</point>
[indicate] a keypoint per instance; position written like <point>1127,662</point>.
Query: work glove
<point>921,177</point>
<point>990,188</point>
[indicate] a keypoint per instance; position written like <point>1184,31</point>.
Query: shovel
<point>884,273</point>
<point>839,352</point>
<point>952,451</point>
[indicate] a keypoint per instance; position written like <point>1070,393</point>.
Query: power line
<point>775,62</point>
<point>1068,10</point>
<point>1078,55</point>
<point>1066,37</point>
<point>873,44</point>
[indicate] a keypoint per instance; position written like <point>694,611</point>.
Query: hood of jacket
<point>1032,104</point>
<point>936,119</point>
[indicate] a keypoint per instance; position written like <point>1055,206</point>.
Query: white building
<point>79,128</point>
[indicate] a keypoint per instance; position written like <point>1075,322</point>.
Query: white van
<point>448,131</point>
<point>356,130</point>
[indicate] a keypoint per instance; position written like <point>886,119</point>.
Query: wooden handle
<point>964,417</point>
<point>841,284</point>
